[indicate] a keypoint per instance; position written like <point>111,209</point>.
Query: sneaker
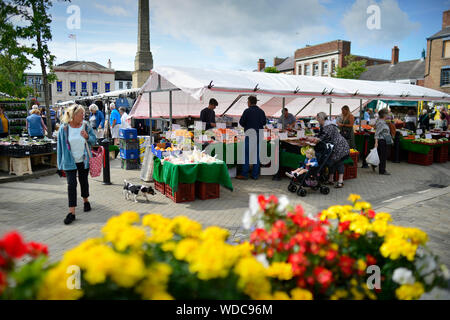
<point>290,175</point>
<point>69,219</point>
<point>87,206</point>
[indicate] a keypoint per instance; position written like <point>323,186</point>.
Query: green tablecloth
<point>172,174</point>
<point>407,145</point>
<point>359,142</point>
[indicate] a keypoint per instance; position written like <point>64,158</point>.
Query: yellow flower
<point>361,264</point>
<point>383,216</point>
<point>186,227</point>
<point>185,249</point>
<point>280,295</point>
<point>357,295</point>
<point>361,205</point>
<point>280,270</point>
<point>169,246</point>
<point>301,294</point>
<point>130,270</point>
<point>252,278</point>
<point>360,224</point>
<point>339,294</point>
<point>353,197</point>
<point>380,227</point>
<point>55,285</point>
<point>410,291</point>
<point>215,233</point>
<point>130,217</point>
<point>154,285</point>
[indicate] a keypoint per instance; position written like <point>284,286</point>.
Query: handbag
<point>95,160</point>
<point>388,138</point>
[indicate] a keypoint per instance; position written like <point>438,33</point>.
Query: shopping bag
<point>96,162</point>
<point>100,133</point>
<point>373,158</point>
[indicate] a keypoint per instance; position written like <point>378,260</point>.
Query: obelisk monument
<point>143,62</point>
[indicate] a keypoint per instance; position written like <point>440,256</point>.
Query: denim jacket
<point>65,157</point>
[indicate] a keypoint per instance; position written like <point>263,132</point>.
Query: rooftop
<point>441,34</point>
<point>286,65</point>
<point>412,69</point>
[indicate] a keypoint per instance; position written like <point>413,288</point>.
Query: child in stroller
<point>310,162</point>
<point>315,176</point>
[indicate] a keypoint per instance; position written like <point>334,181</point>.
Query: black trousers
<point>72,183</point>
<point>383,150</point>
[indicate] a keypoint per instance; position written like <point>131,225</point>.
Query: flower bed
<point>290,255</point>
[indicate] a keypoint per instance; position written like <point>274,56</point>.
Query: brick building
<point>437,63</point>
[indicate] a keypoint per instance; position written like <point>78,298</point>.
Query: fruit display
<point>190,157</point>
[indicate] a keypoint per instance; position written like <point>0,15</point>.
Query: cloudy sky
<point>234,34</point>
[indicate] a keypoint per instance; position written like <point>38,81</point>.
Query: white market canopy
<point>191,89</point>
<point>111,94</point>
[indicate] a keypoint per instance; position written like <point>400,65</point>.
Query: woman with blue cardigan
<point>75,140</point>
<point>97,120</point>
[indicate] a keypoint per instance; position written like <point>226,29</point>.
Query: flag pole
<point>76,49</point>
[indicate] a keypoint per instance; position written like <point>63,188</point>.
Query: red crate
<point>354,156</point>
<point>420,158</point>
<point>441,154</point>
<point>160,186</point>
<point>185,192</point>
<point>205,191</point>
<point>351,172</point>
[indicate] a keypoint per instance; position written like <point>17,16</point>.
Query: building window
<point>315,69</point>
<point>307,70</point>
<point>30,81</point>
<point>325,68</point>
<point>446,49</point>
<point>59,86</point>
<point>445,76</point>
<point>129,85</point>
<point>107,86</point>
<point>73,88</point>
<point>299,69</point>
<point>333,67</point>
<point>84,88</point>
<point>120,85</point>
<point>94,88</point>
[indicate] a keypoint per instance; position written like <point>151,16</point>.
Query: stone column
<point>143,62</point>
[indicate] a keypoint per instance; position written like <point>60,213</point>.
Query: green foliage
<point>353,70</point>
<point>271,70</point>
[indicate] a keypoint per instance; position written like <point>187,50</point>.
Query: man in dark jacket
<point>253,118</point>
<point>208,115</point>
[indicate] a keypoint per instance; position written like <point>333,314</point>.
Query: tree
<point>35,14</point>
<point>352,70</point>
<point>13,59</point>
<point>271,70</point>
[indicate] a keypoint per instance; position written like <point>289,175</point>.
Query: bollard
<point>366,150</point>
<point>106,170</point>
<point>396,158</point>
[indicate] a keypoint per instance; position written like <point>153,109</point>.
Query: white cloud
<point>395,24</point>
<point>113,10</point>
<point>243,30</point>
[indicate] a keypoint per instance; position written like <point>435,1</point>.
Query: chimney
<point>446,19</point>
<point>395,51</point>
<point>277,61</point>
<point>261,65</point>
<point>109,63</point>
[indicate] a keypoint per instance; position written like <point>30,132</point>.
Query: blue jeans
<point>246,166</point>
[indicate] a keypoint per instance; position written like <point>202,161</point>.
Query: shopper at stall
<point>441,123</point>
<point>75,139</point>
<point>97,120</point>
<point>447,117</point>
<point>383,141</point>
<point>287,120</point>
<point>124,118</point>
<point>114,121</point>
<point>4,123</point>
<point>411,120</point>
<point>345,125</point>
<point>253,118</point>
<point>367,115</point>
<point>424,120</point>
<point>35,124</point>
<point>208,115</point>
<point>329,133</point>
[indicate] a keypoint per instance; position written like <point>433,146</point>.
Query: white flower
<point>247,220</point>
<point>253,214</point>
<point>283,202</point>
<point>445,272</point>
<point>403,276</point>
<point>254,204</point>
<point>263,259</point>
<point>425,265</point>
<point>429,278</point>
<point>436,294</point>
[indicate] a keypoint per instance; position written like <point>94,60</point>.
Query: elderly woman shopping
<point>97,120</point>
<point>75,139</point>
<point>329,133</point>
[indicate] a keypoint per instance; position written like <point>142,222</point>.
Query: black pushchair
<point>316,177</point>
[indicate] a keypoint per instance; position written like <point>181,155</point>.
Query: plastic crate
<point>354,156</point>
<point>160,186</point>
<point>441,154</point>
<point>18,151</point>
<point>351,172</point>
<point>126,143</point>
<point>420,158</point>
<point>129,133</point>
<point>129,154</point>
<point>185,192</point>
<point>205,191</point>
<point>39,148</point>
<point>129,164</point>
<point>53,147</point>
<point>159,153</point>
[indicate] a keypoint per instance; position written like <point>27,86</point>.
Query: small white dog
<point>135,190</point>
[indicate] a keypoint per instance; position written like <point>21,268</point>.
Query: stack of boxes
<point>144,141</point>
<point>129,149</point>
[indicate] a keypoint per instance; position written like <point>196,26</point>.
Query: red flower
<point>35,249</point>
<point>370,260</point>
<point>346,264</point>
<point>263,202</point>
<point>323,276</point>
<point>371,214</point>
<point>343,226</point>
<point>331,255</point>
<point>280,226</point>
<point>13,245</point>
<point>299,210</point>
<point>270,252</point>
<point>258,235</point>
<point>2,281</point>
<point>296,258</point>
<point>273,199</point>
<point>310,280</point>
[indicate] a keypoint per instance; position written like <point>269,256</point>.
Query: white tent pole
<point>360,113</point>
<point>170,107</point>
<point>150,115</point>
